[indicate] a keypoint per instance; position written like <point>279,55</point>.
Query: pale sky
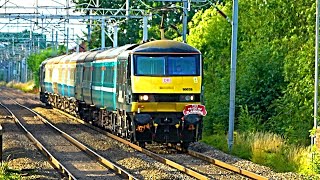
<point>27,6</point>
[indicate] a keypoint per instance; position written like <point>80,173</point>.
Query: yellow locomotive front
<point>167,91</point>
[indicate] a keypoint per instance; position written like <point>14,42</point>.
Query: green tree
<point>274,65</point>
<point>131,30</point>
<point>210,33</point>
<point>35,59</point>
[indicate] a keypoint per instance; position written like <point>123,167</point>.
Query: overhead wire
<point>4,3</point>
<point>35,24</point>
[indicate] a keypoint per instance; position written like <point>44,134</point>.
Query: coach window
<point>65,77</point>
<point>79,70</point>
<point>50,74</point>
<point>47,75</point>
<point>108,75</point>
<point>72,75</point>
<point>86,73</point>
<point>96,79</point>
<point>60,74</point>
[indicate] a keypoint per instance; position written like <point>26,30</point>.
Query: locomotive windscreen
<point>167,65</point>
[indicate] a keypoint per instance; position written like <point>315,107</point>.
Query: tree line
<point>275,63</point>
<point>275,66</point>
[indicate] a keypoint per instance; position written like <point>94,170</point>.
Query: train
<point>148,92</point>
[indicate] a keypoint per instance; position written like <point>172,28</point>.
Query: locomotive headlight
<point>147,98</point>
<point>189,98</point>
<point>143,97</point>
<point>186,98</point>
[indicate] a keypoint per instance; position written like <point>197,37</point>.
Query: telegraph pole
<point>233,73</point>
<point>185,21</point>
<point>316,73</point>
<point>67,48</point>
<point>115,35</point>
<point>103,34</point>
<point>145,28</point>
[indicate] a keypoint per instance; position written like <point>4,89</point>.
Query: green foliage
<point>216,140</point>
<point>131,30</point>
<point>295,108</point>
<point>242,145</point>
<point>275,66</point>
<point>35,59</point>
<point>6,173</point>
<point>209,33</point>
<point>316,162</point>
<point>247,122</point>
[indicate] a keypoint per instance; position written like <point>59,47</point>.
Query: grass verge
<point>7,173</point>
<point>270,150</point>
<point>28,87</point>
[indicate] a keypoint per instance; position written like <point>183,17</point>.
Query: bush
<point>315,162</point>
<point>247,122</point>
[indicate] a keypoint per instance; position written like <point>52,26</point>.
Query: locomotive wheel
<point>185,146</point>
<point>142,144</point>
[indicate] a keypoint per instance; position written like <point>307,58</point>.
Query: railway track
<point>230,172</point>
<point>221,164</point>
<point>237,172</point>
<point>133,161</point>
<point>69,156</point>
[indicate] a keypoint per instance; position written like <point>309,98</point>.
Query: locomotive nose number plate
<point>166,80</point>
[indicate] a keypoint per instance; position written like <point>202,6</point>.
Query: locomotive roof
<point>55,60</point>
<point>165,46</point>
<point>66,58</point>
<point>112,52</point>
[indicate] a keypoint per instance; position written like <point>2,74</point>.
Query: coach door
<point>78,81</point>
<point>42,76</point>
<point>87,82</point>
<point>121,82</point>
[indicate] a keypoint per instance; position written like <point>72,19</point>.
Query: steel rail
<point>165,161</point>
<point>221,164</point>
<point>84,148</point>
<point>224,165</point>
<point>44,151</point>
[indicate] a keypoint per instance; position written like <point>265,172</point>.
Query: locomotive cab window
<point>167,65</point>
<point>183,66</point>
<point>150,66</point>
